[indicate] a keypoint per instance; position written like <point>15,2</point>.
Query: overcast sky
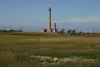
<point>32,15</point>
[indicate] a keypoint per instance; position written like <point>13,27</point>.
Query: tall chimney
<point>49,19</point>
<point>55,26</point>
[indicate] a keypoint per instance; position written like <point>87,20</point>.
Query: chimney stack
<point>49,20</point>
<point>55,26</point>
<point>54,30</point>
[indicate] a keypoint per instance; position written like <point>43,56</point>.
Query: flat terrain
<point>52,46</point>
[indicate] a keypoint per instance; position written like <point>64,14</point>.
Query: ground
<point>18,50</point>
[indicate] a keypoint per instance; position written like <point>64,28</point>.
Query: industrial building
<point>49,29</point>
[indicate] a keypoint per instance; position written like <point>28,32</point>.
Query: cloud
<point>85,19</point>
<point>95,19</point>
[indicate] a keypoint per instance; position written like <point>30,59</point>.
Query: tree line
<point>73,32</point>
<point>11,30</point>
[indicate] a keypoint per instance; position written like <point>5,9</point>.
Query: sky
<point>32,15</point>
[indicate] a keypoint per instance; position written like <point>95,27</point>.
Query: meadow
<point>49,51</point>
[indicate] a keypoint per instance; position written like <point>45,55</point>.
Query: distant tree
<point>4,31</point>
<point>0,30</point>
<point>62,31</point>
<point>11,30</point>
<point>71,32</point>
<point>79,33</point>
<point>15,30</point>
<point>20,30</point>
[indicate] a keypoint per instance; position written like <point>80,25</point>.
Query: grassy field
<point>62,51</point>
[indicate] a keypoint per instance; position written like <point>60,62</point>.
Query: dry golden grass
<point>16,49</point>
<point>30,33</point>
<point>60,39</point>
